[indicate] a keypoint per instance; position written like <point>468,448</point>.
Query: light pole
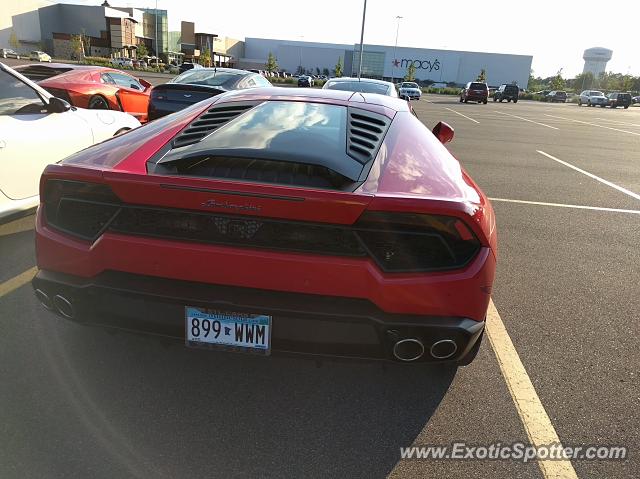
<point>393,68</point>
<point>364,15</point>
<point>157,51</point>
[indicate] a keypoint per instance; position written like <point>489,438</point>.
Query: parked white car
<point>409,91</point>
<point>593,98</point>
<point>39,56</point>
<point>122,62</point>
<point>37,129</point>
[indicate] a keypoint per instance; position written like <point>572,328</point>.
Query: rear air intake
<point>365,134</point>
<point>210,121</point>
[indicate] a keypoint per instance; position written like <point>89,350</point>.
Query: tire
<point>626,106</point>
<point>465,100</point>
<point>515,100</point>
<point>485,102</point>
<point>501,99</point>
<point>98,102</point>
<point>579,102</point>
<point>589,103</point>
<point>508,100</point>
<point>461,100</point>
<point>495,99</point>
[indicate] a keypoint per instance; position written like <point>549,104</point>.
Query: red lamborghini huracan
<point>306,221</point>
<point>93,87</point>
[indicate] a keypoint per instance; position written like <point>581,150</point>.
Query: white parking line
<point>526,119</point>
<point>562,205</point>
<point>593,124</point>
<point>618,122</point>
<point>535,419</point>
<point>458,113</point>
<point>591,175</point>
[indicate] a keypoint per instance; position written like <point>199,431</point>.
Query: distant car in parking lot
<point>39,56</point>
<point>475,91</point>
<point>593,98</point>
<point>189,66</point>
<point>506,92</point>
<point>37,129</point>
<point>122,62</point>
<point>617,99</point>
<point>305,81</point>
<point>409,90</point>
<point>199,84</point>
<point>364,85</point>
<point>557,96</point>
<point>8,53</point>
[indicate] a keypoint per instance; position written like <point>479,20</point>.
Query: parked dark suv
<point>507,92</point>
<point>475,91</point>
<point>619,99</point>
<point>557,97</point>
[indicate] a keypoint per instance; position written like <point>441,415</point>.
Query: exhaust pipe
<point>408,350</point>
<point>64,306</point>
<point>44,299</point>
<point>443,349</point>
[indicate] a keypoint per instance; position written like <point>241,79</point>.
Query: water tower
<point>595,60</point>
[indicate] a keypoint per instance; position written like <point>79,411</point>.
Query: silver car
<point>409,90</point>
<point>8,53</point>
<point>363,85</point>
<point>593,98</point>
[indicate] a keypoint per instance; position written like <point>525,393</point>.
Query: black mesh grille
<point>366,132</point>
<point>62,94</point>
<point>238,231</point>
<point>210,121</point>
<point>262,171</point>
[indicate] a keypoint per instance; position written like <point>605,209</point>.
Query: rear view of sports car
<point>92,87</point>
<point>271,220</point>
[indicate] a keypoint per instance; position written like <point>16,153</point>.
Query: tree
<point>558,83</point>
<point>325,72</point>
<point>205,57</point>
<point>272,64</point>
<point>318,71</point>
<point>13,41</point>
<point>300,70</point>
<point>583,81</point>
<point>76,47</point>
<point>411,72</point>
<point>142,51</point>
<point>338,68</point>
<point>482,76</point>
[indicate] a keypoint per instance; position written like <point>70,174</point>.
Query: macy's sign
<point>418,64</point>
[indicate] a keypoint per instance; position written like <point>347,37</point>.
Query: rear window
<point>361,86</point>
<point>597,93</point>
<point>478,86</point>
<point>208,77</point>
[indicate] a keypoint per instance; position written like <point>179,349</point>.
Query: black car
<point>619,99</point>
<point>188,66</point>
<point>196,85</point>
<point>305,81</point>
<point>507,92</point>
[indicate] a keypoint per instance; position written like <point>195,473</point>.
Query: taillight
<point>401,242</point>
<point>78,208</point>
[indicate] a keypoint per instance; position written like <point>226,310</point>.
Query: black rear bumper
<point>302,323</point>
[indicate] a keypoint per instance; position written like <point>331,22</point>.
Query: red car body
<point>140,273</point>
<point>87,86</point>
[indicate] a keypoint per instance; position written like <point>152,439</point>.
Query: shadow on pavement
<point>144,409</point>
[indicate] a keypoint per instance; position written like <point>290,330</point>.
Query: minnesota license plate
<point>228,330</point>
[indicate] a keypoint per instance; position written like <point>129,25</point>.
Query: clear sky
<point>556,33</point>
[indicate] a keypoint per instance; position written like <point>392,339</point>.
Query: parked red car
<point>287,220</point>
<point>87,86</point>
<point>475,91</point>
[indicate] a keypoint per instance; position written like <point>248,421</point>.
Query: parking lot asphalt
<point>80,402</point>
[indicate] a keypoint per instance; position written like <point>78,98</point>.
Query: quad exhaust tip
<point>64,306</point>
<point>44,299</point>
<point>408,350</point>
<point>443,349</point>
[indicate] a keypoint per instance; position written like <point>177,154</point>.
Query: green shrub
<point>442,91</point>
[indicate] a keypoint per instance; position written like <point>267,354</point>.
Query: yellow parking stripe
<point>532,414</point>
<point>17,281</point>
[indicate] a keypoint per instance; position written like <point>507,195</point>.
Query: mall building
<point>379,61</point>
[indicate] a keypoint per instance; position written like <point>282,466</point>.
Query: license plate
<point>213,329</point>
